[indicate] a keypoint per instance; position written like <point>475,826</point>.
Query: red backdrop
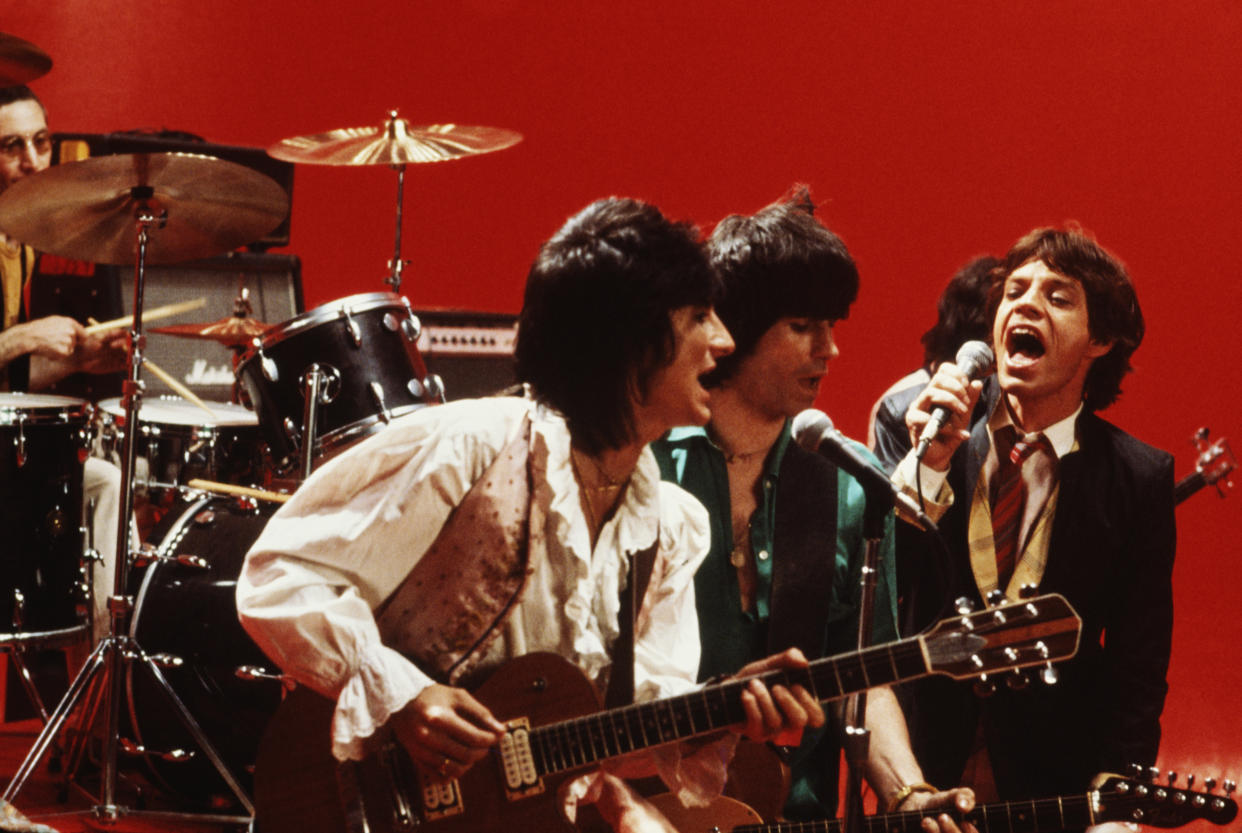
<point>929,132</point>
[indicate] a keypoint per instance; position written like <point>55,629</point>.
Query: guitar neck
<point>586,740</point>
<point>1187,486</point>
<point>1033,816</point>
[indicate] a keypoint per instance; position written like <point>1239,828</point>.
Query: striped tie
<point>1010,497</point>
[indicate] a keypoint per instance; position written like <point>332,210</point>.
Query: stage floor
<point>44,798</point>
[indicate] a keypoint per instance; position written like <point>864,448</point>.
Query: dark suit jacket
<point>1111,555</point>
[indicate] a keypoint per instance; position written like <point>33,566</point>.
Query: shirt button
<point>763,555</point>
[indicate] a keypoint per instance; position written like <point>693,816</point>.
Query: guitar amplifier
<point>471,351</point>
<point>206,367</point>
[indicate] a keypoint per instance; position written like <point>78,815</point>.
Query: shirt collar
<point>1061,435</point>
<point>772,464</point>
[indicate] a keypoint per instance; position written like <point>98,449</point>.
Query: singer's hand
<point>953,390</point>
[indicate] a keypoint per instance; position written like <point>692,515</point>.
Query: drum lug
<point>355,333</point>
<point>267,366</point>
<point>20,441</point>
<point>255,672</point>
<point>135,750</point>
<point>377,394</point>
<point>411,327</point>
<point>329,382</point>
<point>165,660</point>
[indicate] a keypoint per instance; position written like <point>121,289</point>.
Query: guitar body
<point>298,788</point>
<point>721,816</point>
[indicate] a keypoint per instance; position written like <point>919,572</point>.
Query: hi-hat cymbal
<point>233,331</point>
<point>21,61</point>
<point>86,210</point>
<point>393,143</point>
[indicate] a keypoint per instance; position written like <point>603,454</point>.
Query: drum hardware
<point>255,672</point>
<point>201,206</point>
<point>395,144</point>
<point>21,61</point>
<point>362,350</point>
<point>135,750</point>
<point>147,554</point>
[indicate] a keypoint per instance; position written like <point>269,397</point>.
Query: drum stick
<point>170,380</point>
<point>241,491</point>
<point>149,315</point>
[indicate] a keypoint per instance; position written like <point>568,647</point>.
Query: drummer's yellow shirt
<point>10,275</point>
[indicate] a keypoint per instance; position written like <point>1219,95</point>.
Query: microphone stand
<point>857,741</point>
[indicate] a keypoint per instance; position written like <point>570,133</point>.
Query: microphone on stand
<point>814,431</point>
<point>975,359</point>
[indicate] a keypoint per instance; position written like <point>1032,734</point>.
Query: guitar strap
<point>805,535</point>
<point>621,680</point>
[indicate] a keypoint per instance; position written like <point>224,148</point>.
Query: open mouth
<point>1025,343</point>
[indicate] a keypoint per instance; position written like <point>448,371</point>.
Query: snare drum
<point>365,347</point>
<point>180,441</point>
<point>44,441</point>
<point>190,613</point>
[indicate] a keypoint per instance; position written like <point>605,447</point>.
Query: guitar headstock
<point>1010,635</point>
<point>1144,801</point>
<point>1215,460</point>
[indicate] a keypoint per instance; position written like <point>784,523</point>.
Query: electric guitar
<point>555,726</point>
<point>1112,798</point>
<point>1214,463</point>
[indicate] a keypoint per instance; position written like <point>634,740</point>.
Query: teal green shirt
<point>731,637</point>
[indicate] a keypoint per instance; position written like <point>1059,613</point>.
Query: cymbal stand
<point>396,266</point>
<point>118,650</point>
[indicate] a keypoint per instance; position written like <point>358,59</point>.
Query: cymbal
<point>21,61</point>
<point>233,331</point>
<point>393,143</point>
<point>86,210</point>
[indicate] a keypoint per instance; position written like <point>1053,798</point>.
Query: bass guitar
<point>1111,798</point>
<point>555,726</point>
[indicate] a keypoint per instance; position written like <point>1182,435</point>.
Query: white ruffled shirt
<point>355,528</point>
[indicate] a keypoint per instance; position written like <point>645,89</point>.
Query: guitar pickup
<point>517,763</point>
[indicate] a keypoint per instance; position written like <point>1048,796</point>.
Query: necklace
<point>742,457</point>
<point>610,484</point>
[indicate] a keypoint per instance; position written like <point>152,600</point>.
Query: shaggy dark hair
<point>779,262</point>
<point>1113,312</point>
<point>20,92</point>
<point>595,320</point>
<point>961,312</point>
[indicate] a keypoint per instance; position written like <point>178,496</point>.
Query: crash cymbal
<point>21,61</point>
<point>233,331</point>
<point>86,210</point>
<point>393,143</point>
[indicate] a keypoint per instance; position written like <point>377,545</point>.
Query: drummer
<point>35,354</point>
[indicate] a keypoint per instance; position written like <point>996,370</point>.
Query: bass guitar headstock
<point>1144,801</point>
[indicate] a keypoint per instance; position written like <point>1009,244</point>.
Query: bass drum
<point>189,613</point>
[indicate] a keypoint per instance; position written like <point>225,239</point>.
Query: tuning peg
<point>996,598</point>
<point>1190,781</point>
<point>1017,681</point>
<point>1171,777</point>
<point>1135,770</point>
<point>1209,783</point>
<point>1028,591</point>
<point>963,605</point>
<point>1229,786</point>
<point>1049,675</point>
<point>985,687</point>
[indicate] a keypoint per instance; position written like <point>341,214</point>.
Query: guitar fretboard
<point>1069,812</point>
<point>585,740</point>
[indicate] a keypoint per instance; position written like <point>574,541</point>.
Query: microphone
<point>974,358</point>
<point>814,431</point>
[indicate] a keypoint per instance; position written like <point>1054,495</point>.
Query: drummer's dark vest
<point>80,290</point>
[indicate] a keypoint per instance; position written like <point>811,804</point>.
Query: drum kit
<point>176,658</point>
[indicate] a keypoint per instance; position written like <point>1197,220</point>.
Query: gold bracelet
<point>902,793</point>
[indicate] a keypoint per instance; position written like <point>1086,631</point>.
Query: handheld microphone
<point>814,431</point>
<point>974,358</point>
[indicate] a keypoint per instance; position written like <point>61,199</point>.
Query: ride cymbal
<point>86,210</point>
<point>21,61</point>
<point>393,143</point>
